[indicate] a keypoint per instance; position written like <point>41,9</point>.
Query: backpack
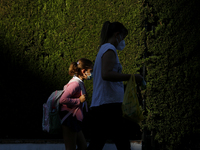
<point>51,121</point>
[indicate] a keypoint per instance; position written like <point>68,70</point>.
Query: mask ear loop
<point>117,39</point>
<point>120,38</point>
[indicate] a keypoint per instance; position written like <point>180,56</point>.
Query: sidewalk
<point>60,146</point>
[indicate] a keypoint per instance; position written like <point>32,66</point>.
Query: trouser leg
<point>98,133</point>
<point>97,142</point>
<point>122,144</point>
<point>118,132</point>
<point>108,123</point>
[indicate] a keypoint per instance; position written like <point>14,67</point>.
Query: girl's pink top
<point>70,98</point>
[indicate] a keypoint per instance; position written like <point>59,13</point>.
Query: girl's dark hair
<point>75,67</point>
<point>109,29</point>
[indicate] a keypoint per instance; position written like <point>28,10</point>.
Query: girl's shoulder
<point>72,84</point>
<point>107,46</point>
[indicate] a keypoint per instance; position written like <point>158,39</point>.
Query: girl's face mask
<point>89,76</point>
<point>121,45</point>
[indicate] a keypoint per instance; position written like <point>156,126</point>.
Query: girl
<point>72,101</point>
<point>108,89</point>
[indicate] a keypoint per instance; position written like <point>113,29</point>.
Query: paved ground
<point>60,146</point>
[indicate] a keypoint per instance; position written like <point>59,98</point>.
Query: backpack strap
<point>67,115</point>
<point>83,91</point>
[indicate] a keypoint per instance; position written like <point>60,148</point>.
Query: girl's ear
<point>116,34</point>
<point>83,71</point>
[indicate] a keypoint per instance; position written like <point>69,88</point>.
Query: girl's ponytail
<point>73,69</point>
<point>104,33</point>
<point>109,29</point>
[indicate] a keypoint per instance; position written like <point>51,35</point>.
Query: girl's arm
<point>108,61</point>
<point>71,95</point>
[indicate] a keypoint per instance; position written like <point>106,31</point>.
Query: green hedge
<point>41,38</point>
<point>46,36</point>
<point>173,72</point>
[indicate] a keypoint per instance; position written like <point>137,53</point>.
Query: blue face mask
<point>89,77</point>
<point>121,45</point>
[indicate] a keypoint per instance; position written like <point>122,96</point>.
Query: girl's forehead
<point>91,68</point>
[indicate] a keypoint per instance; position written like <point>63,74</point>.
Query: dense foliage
<point>173,72</point>
<point>39,39</point>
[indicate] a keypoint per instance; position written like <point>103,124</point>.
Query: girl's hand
<point>82,98</point>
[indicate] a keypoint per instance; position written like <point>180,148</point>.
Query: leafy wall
<point>173,72</point>
<point>39,39</point>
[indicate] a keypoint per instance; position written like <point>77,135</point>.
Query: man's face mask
<point>121,45</point>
